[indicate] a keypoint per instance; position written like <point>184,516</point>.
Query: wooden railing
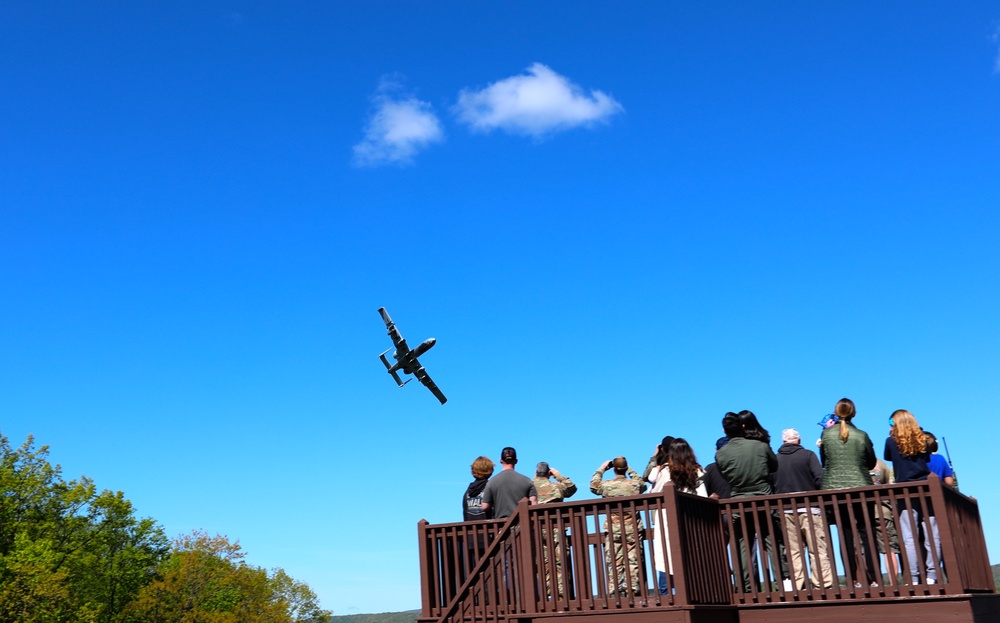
<point>857,524</point>
<point>555,559</point>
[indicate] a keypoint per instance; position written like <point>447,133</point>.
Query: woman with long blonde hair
<point>906,448</point>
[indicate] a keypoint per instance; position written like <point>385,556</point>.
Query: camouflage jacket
<point>549,491</point>
<point>619,485</point>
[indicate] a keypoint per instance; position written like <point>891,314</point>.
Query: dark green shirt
<point>747,465</point>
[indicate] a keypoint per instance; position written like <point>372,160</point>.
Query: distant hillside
<point>384,617</point>
<point>411,615</point>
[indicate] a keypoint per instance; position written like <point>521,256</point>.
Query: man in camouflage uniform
<point>548,492</point>
<point>885,526</point>
<point>622,528</point>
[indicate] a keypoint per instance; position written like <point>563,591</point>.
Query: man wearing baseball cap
<point>623,528</point>
<point>550,491</point>
<point>506,489</point>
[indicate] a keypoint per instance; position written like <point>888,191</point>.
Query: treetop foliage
<point>70,553</point>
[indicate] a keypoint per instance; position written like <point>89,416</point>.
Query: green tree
<point>301,601</point>
<point>33,588</point>
<point>206,580</point>
<point>68,552</point>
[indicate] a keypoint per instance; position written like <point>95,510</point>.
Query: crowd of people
<point>745,465</point>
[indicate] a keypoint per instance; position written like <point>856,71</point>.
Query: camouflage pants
<point>885,527</point>
<point>621,551</point>
<point>556,544</point>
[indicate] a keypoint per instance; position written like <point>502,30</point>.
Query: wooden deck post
<point>525,581</point>
<point>425,580</point>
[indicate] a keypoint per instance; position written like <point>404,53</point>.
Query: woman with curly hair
<point>472,501</point>
<point>906,447</point>
<point>679,466</point>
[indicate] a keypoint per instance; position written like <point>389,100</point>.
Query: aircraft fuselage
<point>407,362</point>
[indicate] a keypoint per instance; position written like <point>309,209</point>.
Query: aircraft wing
<point>394,335</point>
<point>425,378</point>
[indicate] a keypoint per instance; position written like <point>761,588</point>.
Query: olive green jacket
<point>847,464</point>
<point>747,465</point>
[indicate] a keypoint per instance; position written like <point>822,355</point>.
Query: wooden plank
<point>927,610</point>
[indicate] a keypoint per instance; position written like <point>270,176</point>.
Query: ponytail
<point>845,412</point>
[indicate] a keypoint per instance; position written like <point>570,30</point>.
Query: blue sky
<point>618,222</point>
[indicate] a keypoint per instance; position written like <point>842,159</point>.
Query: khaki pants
<point>802,527</point>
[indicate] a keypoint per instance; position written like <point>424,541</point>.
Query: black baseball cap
<point>508,455</point>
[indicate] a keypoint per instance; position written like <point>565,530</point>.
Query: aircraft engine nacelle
<point>424,347</point>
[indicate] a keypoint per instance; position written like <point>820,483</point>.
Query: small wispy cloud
<point>399,128</point>
<point>996,41</point>
<point>234,19</point>
<point>536,103</point>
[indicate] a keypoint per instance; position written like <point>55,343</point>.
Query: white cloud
<point>996,40</point>
<point>536,103</point>
<point>399,127</point>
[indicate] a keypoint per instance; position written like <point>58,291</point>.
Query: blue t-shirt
<point>939,466</point>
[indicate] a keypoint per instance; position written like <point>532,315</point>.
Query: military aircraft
<point>406,359</point>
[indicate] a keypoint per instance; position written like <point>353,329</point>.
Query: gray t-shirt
<point>505,490</point>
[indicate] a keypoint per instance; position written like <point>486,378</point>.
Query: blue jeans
<point>661,580</point>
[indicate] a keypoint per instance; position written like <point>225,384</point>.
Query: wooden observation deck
<point>497,571</point>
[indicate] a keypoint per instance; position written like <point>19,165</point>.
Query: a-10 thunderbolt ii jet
<point>406,359</point>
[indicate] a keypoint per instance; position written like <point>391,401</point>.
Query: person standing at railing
<point>798,471</point>
<point>506,489</point>
<point>752,429</point>
<point>679,466</point>
<point>719,489</point>
<point>659,455</point>
<point>747,465</point>
<point>472,510</point>
<point>550,491</point>
<point>938,464</point>
<point>623,530</point>
<point>472,501</point>
<point>848,455</point>
<point>885,525</point>
<point>906,448</point>
<point>717,486</point>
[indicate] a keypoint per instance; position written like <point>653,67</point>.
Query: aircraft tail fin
<point>394,373</point>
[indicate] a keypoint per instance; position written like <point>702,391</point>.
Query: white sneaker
<point>931,581</point>
<point>787,584</point>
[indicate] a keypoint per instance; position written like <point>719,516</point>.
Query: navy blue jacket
<point>798,470</point>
